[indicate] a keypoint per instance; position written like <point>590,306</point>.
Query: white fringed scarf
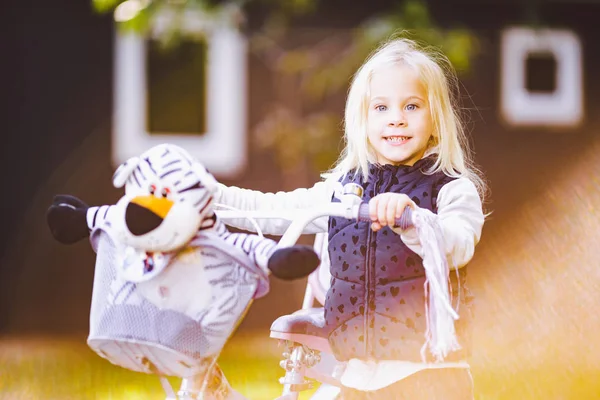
<point>440,334</point>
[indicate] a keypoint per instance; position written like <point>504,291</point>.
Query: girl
<point>406,147</point>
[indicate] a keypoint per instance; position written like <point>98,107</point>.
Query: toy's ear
<point>124,171</point>
<point>207,179</point>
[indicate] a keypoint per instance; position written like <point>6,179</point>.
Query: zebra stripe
<point>147,159</point>
<point>139,169</point>
<point>136,179</point>
<point>169,172</point>
<point>95,217</point>
<point>196,185</point>
<point>171,163</point>
<point>258,249</point>
<point>205,197</point>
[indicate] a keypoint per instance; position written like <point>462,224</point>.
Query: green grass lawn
<point>64,369</point>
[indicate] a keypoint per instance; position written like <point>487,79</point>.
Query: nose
<point>140,220</point>
<point>397,119</point>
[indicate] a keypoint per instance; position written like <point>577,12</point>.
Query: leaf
<point>105,6</point>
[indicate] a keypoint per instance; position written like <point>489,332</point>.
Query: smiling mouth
<point>396,139</point>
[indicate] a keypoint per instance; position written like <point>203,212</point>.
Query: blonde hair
<point>438,76</point>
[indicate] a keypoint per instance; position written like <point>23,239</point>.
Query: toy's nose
<point>140,220</point>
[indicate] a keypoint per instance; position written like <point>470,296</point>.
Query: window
<point>541,78</point>
<point>540,73</point>
<point>194,96</point>
<point>176,83</point>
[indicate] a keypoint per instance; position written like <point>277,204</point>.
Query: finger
<point>392,210</point>
<point>373,208</point>
<point>382,207</point>
<point>375,226</point>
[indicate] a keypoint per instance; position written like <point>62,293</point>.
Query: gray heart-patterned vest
<point>375,307</point>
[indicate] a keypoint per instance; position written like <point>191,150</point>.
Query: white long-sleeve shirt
<point>459,214</point>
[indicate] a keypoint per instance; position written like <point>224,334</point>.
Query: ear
<point>205,177</point>
<point>124,171</point>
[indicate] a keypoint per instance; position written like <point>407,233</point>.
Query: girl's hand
<point>385,208</point>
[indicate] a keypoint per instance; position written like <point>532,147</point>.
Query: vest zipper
<point>367,294</point>
<point>371,237</point>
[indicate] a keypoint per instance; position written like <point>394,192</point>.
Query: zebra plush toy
<point>174,260</point>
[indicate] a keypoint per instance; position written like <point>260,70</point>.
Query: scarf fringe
<point>440,336</point>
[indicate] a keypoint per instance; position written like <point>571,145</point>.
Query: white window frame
<point>520,107</point>
<point>223,147</point>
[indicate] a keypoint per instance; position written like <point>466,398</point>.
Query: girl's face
<point>399,123</point>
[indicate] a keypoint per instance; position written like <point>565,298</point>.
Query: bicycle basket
<point>132,332</point>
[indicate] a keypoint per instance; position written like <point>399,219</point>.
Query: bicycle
<point>182,351</point>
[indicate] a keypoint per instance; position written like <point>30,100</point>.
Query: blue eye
<point>411,107</point>
<point>380,108</point>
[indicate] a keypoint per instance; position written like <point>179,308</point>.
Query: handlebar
<point>404,222</point>
<point>300,218</point>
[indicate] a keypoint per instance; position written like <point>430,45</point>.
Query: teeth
<point>396,138</point>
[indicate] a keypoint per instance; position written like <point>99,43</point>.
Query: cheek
<point>373,133</point>
<point>374,123</point>
<point>428,120</point>
<point>424,123</point>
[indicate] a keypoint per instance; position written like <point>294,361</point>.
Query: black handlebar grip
<point>404,222</point>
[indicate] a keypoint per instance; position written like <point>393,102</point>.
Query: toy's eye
<point>152,189</point>
<point>165,192</point>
